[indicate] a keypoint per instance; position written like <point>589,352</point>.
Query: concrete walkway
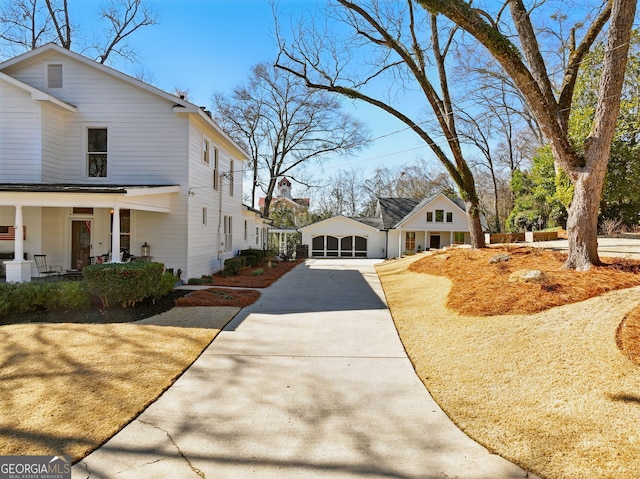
<point>309,382</point>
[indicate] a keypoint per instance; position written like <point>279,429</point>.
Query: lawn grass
<point>545,385</point>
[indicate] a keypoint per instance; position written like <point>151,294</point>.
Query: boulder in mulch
<point>527,276</point>
<point>499,258</point>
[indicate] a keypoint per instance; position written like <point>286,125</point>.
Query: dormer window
<point>54,75</point>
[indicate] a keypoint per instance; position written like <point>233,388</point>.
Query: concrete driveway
<point>309,382</point>
<point>624,247</point>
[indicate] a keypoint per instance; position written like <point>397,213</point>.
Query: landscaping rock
<point>442,257</point>
<point>499,258</point>
<point>527,276</point>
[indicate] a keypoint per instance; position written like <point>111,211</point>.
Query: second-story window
<point>216,171</point>
<point>205,151</point>
<point>97,152</point>
<point>439,216</point>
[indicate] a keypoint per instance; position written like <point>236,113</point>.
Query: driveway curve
<point>311,381</point>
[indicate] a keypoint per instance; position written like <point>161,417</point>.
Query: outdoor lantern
<point>146,250</point>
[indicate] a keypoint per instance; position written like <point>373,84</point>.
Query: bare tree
<point>284,125</point>
<point>28,24</point>
<point>524,63</point>
<point>24,24</point>
<point>402,49</point>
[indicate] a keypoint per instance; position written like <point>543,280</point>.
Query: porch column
<point>115,236</point>
<point>18,270</point>
<point>450,237</point>
<point>400,244</point>
<point>18,241</point>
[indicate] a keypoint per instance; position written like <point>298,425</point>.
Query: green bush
<point>204,279</point>
<point>232,266</point>
<point>125,283</point>
<point>253,257</point>
<point>258,272</point>
<point>16,298</point>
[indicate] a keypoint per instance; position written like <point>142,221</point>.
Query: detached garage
<point>345,237</point>
<point>401,226</point>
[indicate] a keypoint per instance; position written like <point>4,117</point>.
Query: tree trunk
<point>582,223</point>
<point>475,226</point>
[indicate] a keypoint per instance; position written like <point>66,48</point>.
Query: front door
<point>434,241</point>
<point>80,242</point>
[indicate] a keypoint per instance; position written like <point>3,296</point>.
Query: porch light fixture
<point>146,250</point>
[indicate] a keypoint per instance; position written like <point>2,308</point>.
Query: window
<point>458,238</point>
<point>246,230</point>
<point>54,76</point>
<point>439,216</point>
<point>82,211</point>
<point>449,217</point>
<point>125,229</point>
<point>228,236</point>
<point>231,167</point>
<point>204,216</point>
<point>216,174</point>
<point>410,242</point>
<point>258,236</point>
<point>429,216</point>
<point>97,152</point>
<point>205,151</point>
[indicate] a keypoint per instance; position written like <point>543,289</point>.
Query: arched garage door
<point>327,246</point>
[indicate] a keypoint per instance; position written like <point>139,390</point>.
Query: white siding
<point>53,123</point>
<point>340,226</point>
<point>147,141</point>
<point>19,136</point>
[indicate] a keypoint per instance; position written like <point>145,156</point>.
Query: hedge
<point>232,266</point>
<point>16,298</point>
<point>127,283</point>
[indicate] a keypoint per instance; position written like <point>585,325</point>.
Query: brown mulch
<point>482,289</point>
<point>246,278</point>
<point>218,297</point>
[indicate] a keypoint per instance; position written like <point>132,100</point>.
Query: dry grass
<point>548,390</point>
<point>67,388</point>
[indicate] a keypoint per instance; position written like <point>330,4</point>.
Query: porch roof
<point>136,197</point>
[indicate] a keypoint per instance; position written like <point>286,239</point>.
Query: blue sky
<point>205,46</point>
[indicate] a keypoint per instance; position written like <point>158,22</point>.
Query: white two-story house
<point>93,161</point>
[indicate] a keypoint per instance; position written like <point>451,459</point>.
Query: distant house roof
<point>393,210</point>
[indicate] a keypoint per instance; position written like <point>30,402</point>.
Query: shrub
<point>204,279</point>
<point>258,272</point>
<point>124,283</point>
<point>253,257</point>
<point>16,298</point>
<point>232,266</point>
<point>166,285</point>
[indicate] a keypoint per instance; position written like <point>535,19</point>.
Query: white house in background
<point>401,225</point>
<point>94,161</point>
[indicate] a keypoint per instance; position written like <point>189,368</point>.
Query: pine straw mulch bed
<point>240,298</point>
<point>531,371</point>
<point>471,273</point>
<point>247,278</point>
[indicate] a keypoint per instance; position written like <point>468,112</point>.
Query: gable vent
<point>54,76</point>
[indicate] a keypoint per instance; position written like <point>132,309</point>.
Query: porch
<point>73,223</point>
